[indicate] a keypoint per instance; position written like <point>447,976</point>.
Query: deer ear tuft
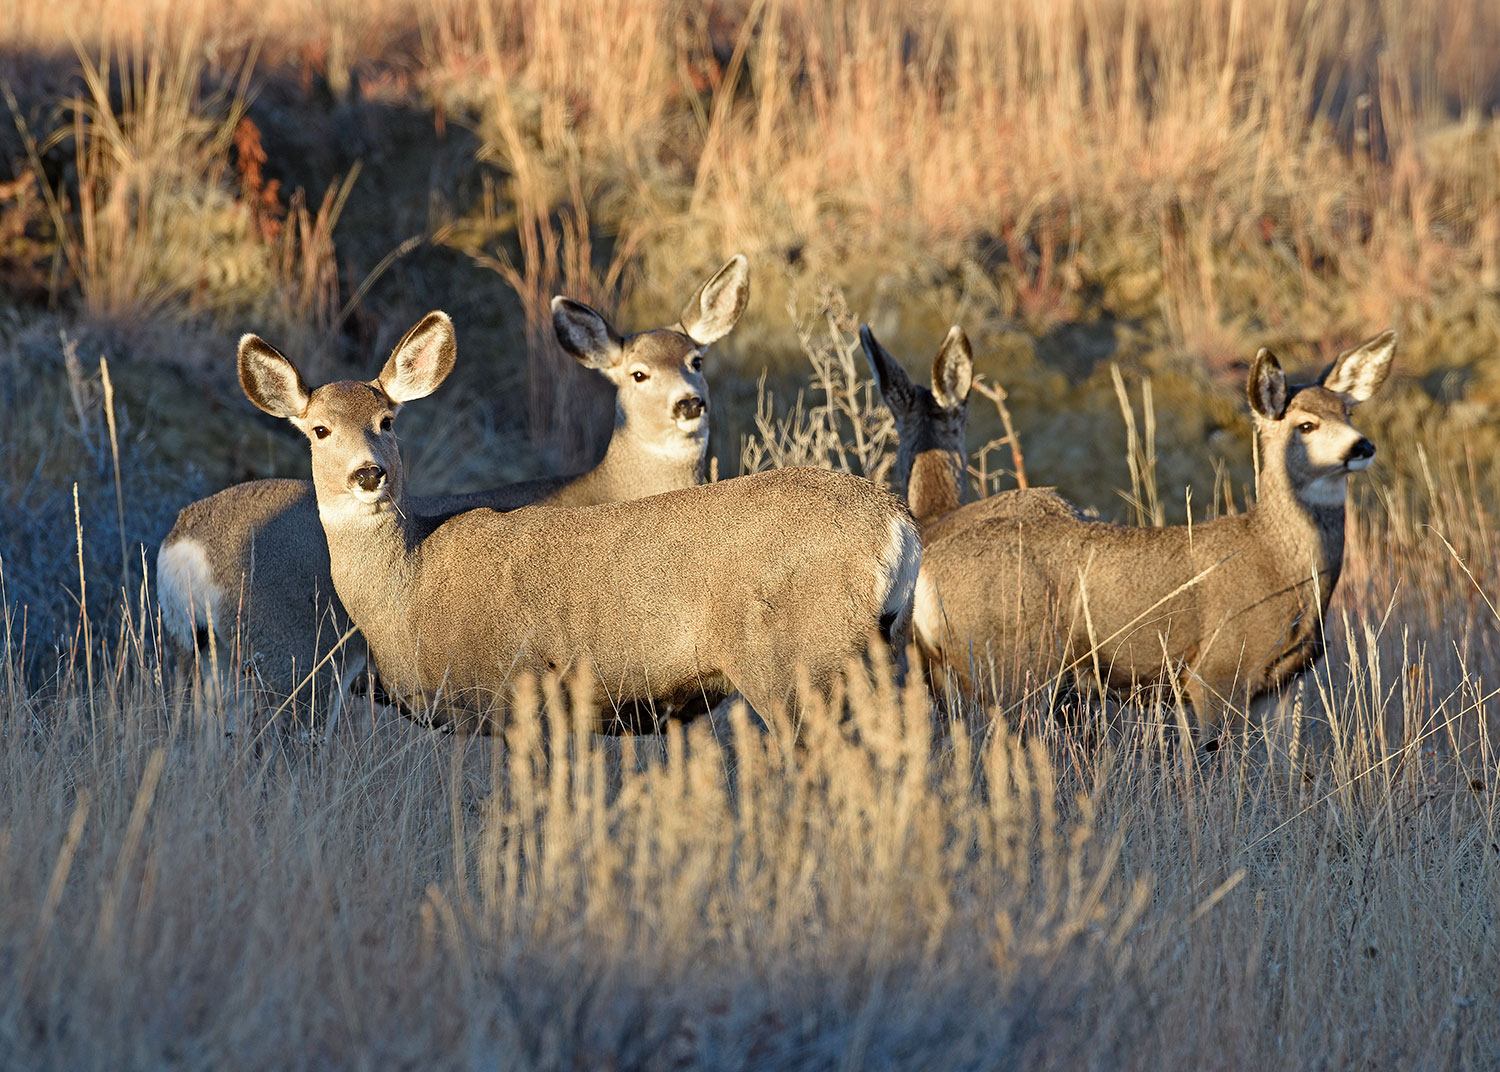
<point>421,360</point>
<point>712,312</point>
<point>585,334</point>
<point>1358,373</point>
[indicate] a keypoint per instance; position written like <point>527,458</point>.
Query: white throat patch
<point>348,507</point>
<point>1329,490</point>
<point>686,444</point>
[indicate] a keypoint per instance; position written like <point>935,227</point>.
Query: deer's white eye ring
<point>320,431</point>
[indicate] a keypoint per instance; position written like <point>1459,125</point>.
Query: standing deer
<point>736,586</point>
<point>251,562</point>
<point>1226,610</point>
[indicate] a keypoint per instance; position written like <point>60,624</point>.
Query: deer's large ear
<point>717,306</point>
<point>953,370</point>
<point>421,360</point>
<point>895,385</point>
<point>1358,373</point>
<point>1267,386</point>
<point>584,333</point>
<point>270,380</point>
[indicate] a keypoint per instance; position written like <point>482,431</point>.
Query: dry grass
<point>152,226</point>
<point>1224,172</point>
<point>916,887</point>
<point>1181,182</point>
<point>1164,184</point>
<point>904,891</point>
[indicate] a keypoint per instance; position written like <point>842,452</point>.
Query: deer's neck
<point>635,466</point>
<point>374,556</point>
<point>1305,533</point>
<point>935,486</point>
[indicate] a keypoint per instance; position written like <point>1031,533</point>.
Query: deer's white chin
<point>691,440</point>
<point>1327,490</point>
<point>1355,465</point>
<point>357,503</point>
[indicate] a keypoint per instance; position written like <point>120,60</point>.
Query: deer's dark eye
<point>1307,427</point>
<point>639,377</point>
<point>320,431</point>
<point>696,364</point>
<point>385,424</point>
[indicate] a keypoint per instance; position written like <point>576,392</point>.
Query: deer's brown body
<point>1019,587</point>
<point>737,586</point>
<point>252,559</point>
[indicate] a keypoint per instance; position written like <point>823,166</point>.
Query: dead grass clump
<point>154,222</point>
<point>845,426</point>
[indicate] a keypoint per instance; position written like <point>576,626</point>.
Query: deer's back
<point>1067,592</point>
<point>782,565</point>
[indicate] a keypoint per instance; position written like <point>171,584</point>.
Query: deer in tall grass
<point>1021,585</point>
<point>678,599</point>
<point>247,569</point>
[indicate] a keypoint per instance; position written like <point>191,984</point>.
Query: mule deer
<point>1225,611</point>
<point>931,459</point>
<point>251,562</point>
<point>734,586</point>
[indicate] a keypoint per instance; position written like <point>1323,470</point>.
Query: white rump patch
<point>927,615</point>
<point>186,591</point>
<point>899,563</point>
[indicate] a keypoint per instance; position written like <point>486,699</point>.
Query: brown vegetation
<point>1119,202</point>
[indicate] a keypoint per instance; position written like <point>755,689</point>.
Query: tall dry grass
<point>1186,181</point>
<point>163,213</point>
<point>909,889</point>
<point>918,885</point>
<point>1227,168</point>
<point>1222,172</point>
<point>933,887</point>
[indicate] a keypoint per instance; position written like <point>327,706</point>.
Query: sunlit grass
<point>921,885</point>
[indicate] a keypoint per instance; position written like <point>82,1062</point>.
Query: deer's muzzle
<point>689,408</point>
<point>1360,455</point>
<point>368,477</point>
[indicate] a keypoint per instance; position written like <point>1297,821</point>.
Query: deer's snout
<point>368,477</point>
<point>686,409</point>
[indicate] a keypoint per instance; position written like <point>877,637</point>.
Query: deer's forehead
<point>661,348</point>
<point>1319,402</point>
<point>933,408</point>
<point>349,401</point>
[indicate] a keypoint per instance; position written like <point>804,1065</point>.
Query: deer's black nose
<point>685,409</point>
<point>368,477</point>
<point>1363,449</point>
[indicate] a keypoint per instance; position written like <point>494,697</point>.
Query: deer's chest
<point>1302,642</point>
